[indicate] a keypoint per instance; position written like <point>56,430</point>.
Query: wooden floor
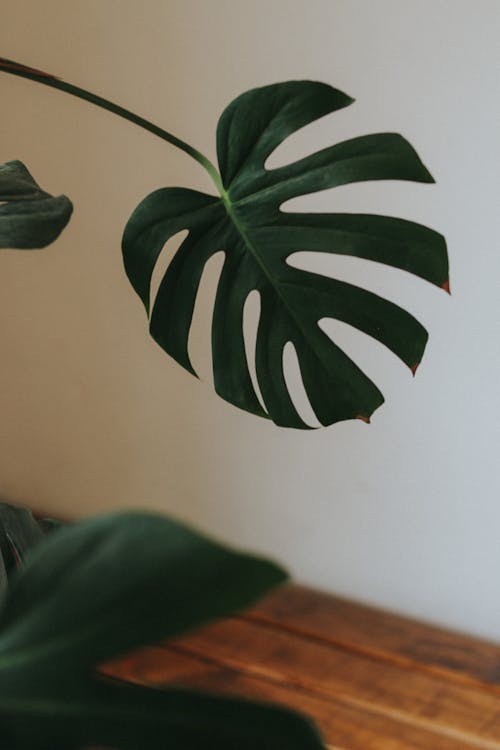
<point>371,681</point>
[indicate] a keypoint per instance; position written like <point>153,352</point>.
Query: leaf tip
<point>363,418</point>
<point>446,286</point>
<point>414,368</point>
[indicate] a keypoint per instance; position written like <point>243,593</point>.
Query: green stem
<point>17,69</point>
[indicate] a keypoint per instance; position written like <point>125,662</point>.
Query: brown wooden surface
<point>371,680</point>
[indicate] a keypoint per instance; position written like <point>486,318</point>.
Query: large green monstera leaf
<point>257,237</point>
<point>29,217</point>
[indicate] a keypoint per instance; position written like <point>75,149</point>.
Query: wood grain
<point>378,633</point>
<point>347,666</point>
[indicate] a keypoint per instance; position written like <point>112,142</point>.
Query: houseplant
<point>245,220</point>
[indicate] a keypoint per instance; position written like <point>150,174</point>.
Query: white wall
<point>404,513</point>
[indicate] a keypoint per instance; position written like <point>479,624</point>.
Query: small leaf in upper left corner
<point>30,218</point>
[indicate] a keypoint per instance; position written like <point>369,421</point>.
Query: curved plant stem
<point>9,66</point>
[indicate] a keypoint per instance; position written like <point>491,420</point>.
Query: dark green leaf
<point>19,532</point>
<point>257,237</point>
<point>128,717</point>
<point>94,590</point>
<point>102,587</point>
<point>29,217</point>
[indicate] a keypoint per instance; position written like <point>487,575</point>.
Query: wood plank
<point>428,701</point>
<point>346,724</point>
<point>380,634</point>
<point>369,679</point>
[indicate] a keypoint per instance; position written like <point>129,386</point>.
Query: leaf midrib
<point>242,230</point>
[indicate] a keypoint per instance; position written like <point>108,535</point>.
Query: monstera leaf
<point>246,222</point>
<point>97,589</point>
<point>257,238</point>
<point>29,217</point>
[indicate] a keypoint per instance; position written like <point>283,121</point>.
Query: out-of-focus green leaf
<point>29,217</point>
<point>110,584</point>
<point>127,717</point>
<point>97,589</point>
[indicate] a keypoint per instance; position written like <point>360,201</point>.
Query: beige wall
<point>404,513</point>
